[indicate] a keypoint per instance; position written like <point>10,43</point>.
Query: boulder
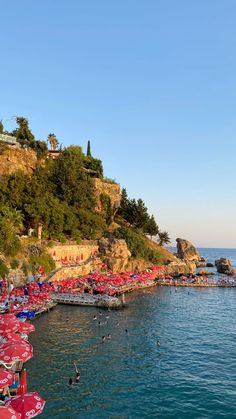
<point>209,265</point>
<point>115,253</point>
<point>186,251</point>
<point>179,268</point>
<point>201,264</point>
<point>204,272</point>
<point>223,266</point>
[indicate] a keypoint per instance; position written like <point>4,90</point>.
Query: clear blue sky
<point>151,83</point>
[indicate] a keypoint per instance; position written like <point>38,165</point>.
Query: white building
<point>8,139</point>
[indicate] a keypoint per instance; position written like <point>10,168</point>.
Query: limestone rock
<point>186,251</point>
<point>179,268</point>
<point>223,266</point>
<point>107,188</point>
<point>205,272</point>
<point>201,264</point>
<point>17,276</point>
<point>115,253</point>
<point>137,265</point>
<point>18,159</point>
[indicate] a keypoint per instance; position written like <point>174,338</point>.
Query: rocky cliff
<point>107,188</point>
<point>13,159</point>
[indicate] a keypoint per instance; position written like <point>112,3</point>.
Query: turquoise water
<point>192,374</point>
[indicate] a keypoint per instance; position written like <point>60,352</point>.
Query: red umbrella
<point>7,316</point>
<point>15,351</point>
<point>28,404</point>
<point>12,336</point>
<point>8,413</point>
<point>26,327</point>
<point>9,324</point>
<point>6,378</point>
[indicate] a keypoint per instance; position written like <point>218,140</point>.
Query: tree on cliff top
<point>89,149</point>
<point>26,138</point>
<point>1,127</point>
<point>152,227</point>
<point>53,141</point>
<point>23,133</point>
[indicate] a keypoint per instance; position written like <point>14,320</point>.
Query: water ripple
<point>191,374</point>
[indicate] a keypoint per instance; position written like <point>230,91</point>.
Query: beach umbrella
<point>8,413</point>
<point>6,378</point>
<point>3,317</point>
<point>12,336</point>
<point>28,405</point>
<point>9,324</point>
<point>26,327</point>
<point>15,351</point>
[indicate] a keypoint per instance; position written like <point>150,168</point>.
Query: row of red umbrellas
<point>108,284</point>
<point>24,405</point>
<point>10,324</point>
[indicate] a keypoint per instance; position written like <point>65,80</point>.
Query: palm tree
<point>13,216</point>
<point>53,141</point>
<point>164,238</point>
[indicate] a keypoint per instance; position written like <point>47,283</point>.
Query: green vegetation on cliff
<point>59,196</point>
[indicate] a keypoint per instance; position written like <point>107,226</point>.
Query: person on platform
<point>5,395</point>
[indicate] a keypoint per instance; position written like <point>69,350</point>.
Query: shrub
<point>45,260</point>
<point>4,271</point>
<point>62,238</point>
<point>25,268</point>
<point>107,207</point>
<point>9,241</point>
<point>14,264</point>
<point>137,244</point>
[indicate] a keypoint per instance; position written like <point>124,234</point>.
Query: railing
<point>8,139</point>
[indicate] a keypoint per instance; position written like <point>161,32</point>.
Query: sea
<point>172,354</point>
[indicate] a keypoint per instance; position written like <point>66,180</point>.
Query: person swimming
<point>158,343</point>
<point>77,373</point>
<point>70,381</point>
<point>109,336</point>
<point>94,317</point>
<point>103,339</point>
<point>126,330</point>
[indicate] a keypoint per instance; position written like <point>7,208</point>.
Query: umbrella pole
<point>23,383</point>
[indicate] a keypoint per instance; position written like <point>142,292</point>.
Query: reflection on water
<point>191,374</point>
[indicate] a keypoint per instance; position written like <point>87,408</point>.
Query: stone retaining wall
<point>78,253</point>
<point>71,272</point>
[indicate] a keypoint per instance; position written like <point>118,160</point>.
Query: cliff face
<point>110,189</point>
<point>17,159</point>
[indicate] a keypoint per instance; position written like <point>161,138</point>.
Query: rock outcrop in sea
<point>186,251</point>
<point>223,266</point>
